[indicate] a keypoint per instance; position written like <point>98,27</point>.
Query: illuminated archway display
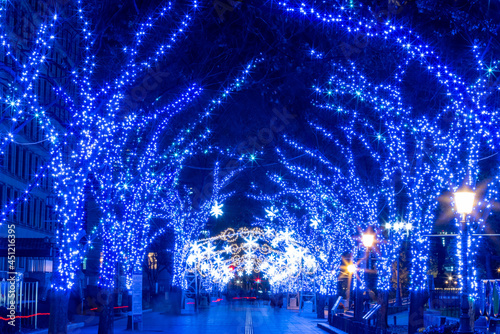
<point>277,255</point>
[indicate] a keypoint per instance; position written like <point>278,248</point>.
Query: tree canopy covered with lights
<point>361,115</point>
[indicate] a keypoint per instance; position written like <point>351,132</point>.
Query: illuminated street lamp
<point>464,203</point>
<point>368,239</point>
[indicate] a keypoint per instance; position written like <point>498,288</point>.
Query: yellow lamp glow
<point>351,268</point>
<point>368,240</point>
<point>464,201</point>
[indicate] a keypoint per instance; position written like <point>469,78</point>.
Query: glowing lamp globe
<point>464,201</point>
<point>368,240</point>
<point>351,268</point>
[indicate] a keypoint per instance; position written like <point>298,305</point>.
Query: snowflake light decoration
<point>271,213</point>
<point>251,242</point>
<point>217,210</point>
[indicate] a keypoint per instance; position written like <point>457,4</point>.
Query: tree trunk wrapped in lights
<point>422,143</point>
<point>74,138</point>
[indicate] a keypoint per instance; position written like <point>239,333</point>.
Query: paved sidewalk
<point>273,321</point>
<point>222,319</point>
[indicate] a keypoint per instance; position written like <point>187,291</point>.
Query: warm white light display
<point>275,254</point>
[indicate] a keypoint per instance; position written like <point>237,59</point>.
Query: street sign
<point>137,297</point>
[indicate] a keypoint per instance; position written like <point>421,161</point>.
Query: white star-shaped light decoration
<point>249,252</point>
<point>191,259</point>
<point>251,242</point>
<point>196,249</point>
<point>209,250</point>
<point>287,235</point>
<point>271,213</point>
<point>218,260</point>
<point>314,222</point>
<point>268,231</point>
<point>248,267</point>
<point>217,210</point>
<point>227,249</point>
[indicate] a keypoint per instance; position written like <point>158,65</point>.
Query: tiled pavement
<point>223,319</point>
<point>268,320</point>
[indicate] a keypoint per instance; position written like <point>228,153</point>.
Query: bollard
<point>395,321</point>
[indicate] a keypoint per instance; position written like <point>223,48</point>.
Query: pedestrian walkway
<point>273,321</point>
<point>233,318</point>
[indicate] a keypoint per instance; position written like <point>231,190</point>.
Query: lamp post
<point>367,239</point>
<point>351,269</point>
<point>399,227</point>
<point>464,202</point>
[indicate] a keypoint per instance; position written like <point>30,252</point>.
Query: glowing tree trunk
<point>69,232</point>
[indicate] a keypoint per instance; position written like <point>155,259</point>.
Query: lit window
<point>40,265</point>
<point>152,261</point>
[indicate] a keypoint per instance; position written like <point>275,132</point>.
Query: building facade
<point>25,158</point>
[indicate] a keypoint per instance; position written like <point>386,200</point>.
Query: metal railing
<point>446,301</point>
<point>26,301</point>
<point>346,323</point>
